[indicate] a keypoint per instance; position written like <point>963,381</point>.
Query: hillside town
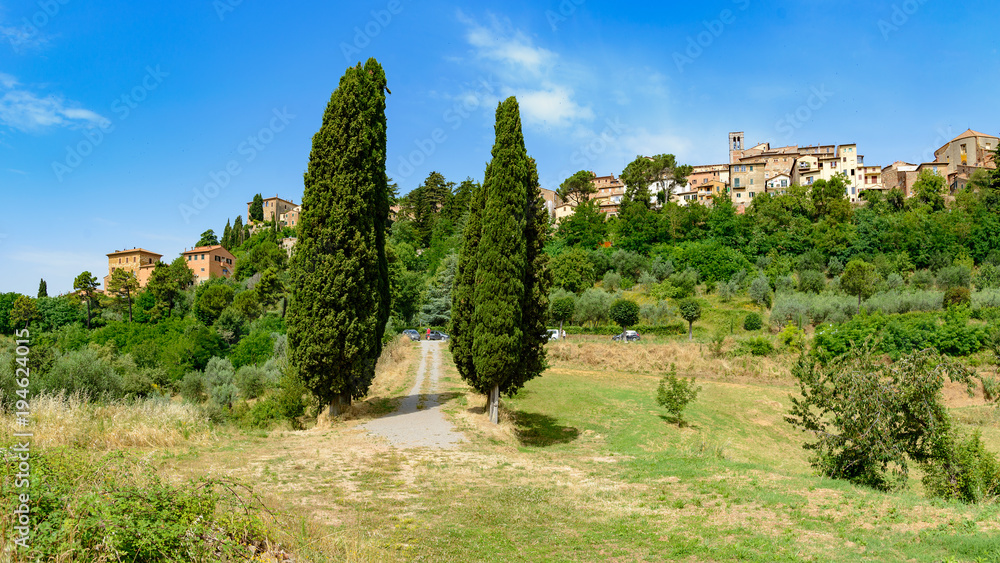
<point>761,168</point>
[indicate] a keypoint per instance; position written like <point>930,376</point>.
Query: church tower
<point>735,146</point>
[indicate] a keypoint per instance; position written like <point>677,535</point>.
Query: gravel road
<point>419,421</point>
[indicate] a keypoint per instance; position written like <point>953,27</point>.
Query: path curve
<point>419,422</point>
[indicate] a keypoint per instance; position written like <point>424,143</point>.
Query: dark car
<point>627,336</point>
<point>411,334</point>
<point>436,335</point>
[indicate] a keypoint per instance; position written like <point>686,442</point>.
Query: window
<point>202,256</point>
<point>736,182</point>
<point>751,168</point>
<point>751,195</point>
<point>739,195</point>
<point>751,181</point>
<point>809,180</point>
<point>833,165</point>
<point>784,183</point>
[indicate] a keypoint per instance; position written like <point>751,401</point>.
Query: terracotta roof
<point>971,133</point>
<point>201,249</point>
<point>133,251</point>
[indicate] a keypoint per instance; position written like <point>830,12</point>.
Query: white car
<point>553,334</point>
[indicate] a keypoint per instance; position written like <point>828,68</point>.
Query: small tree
<point>86,284</point>
<point>24,311</point>
<point>257,208</point>
<point>208,238</point>
<point>690,311</point>
<point>674,394</point>
<point>869,418</point>
<point>752,322</point>
<point>860,278</point>
<point>562,310</point>
<point>760,291</point>
<point>625,313</point>
<point>124,284</point>
<point>43,289</point>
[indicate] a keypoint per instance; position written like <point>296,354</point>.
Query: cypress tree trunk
<point>495,404</point>
<point>339,299</point>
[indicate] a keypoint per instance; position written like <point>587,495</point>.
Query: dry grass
<point>60,420</point>
<point>691,359</point>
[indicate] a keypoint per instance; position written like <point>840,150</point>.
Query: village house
<point>209,262</point>
<point>137,260</point>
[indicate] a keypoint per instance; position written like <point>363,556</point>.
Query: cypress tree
<point>537,284</point>
<point>340,277</point>
<point>43,289</point>
<point>463,291</point>
<point>498,318</point>
<point>227,234</point>
<point>257,208</point>
<point>236,235</point>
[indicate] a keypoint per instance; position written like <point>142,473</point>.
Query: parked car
<point>627,336</point>
<point>553,334</point>
<point>411,334</point>
<point>437,335</point>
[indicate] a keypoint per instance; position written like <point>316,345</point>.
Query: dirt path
<point>419,421</point>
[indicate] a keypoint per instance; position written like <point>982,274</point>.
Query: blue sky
<point>142,124</point>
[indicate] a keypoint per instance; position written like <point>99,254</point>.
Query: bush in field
<point>728,290</point>
<point>963,470</point>
<point>752,322</point>
<point>988,277</point>
<point>792,337</point>
<point>656,313</point>
<point>251,381</point>
<point>894,281</point>
<point>647,279</point>
<point>811,281</point>
<point>835,267</point>
<point>660,268</point>
<point>675,393</point>
<point>760,291</point>
<point>954,276</point>
<point>612,281</point>
<point>758,346</point>
<point>922,279</point>
<point>192,387</point>
<point>82,371</point>
<point>219,383</point>
<point>844,405</point>
<point>956,295</point>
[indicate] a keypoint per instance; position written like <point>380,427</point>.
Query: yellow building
<point>137,260</point>
<point>273,207</point>
<point>210,262</point>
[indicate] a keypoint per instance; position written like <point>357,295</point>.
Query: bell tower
<point>735,146</point>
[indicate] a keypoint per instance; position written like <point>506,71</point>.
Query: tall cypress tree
<point>537,284</point>
<point>463,302</point>
<point>226,236</point>
<point>498,332</point>
<point>43,289</point>
<point>340,276</point>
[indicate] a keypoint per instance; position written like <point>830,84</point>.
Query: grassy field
<point>584,467</point>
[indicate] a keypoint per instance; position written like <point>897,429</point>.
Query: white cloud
<point>647,143</point>
<point>543,84</point>
<point>27,111</point>
<point>21,38</point>
<point>552,106</point>
<point>500,42</point>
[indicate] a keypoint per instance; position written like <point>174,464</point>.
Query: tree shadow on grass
<point>680,422</point>
<point>539,430</point>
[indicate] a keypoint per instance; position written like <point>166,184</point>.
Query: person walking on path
<point>428,333</point>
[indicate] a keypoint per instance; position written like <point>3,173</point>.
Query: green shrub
<point>956,295</point>
<point>965,471</point>
<point>254,349</point>
<point>760,291</point>
<point>192,387</point>
<point>758,346</point>
<point>792,337</point>
<point>624,313</point>
<point>612,281</point>
<point>922,279</point>
<point>812,281</point>
<point>117,508</point>
<point>674,393</point>
<point>251,381</point>
<point>752,322</point>
<point>954,276</point>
